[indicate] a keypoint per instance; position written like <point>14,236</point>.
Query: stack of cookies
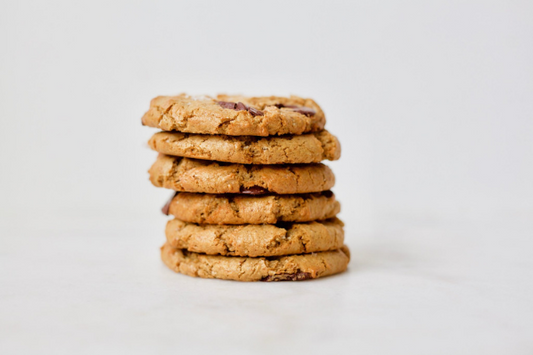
<point>252,199</point>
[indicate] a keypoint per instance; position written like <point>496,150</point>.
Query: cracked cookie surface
<point>256,239</point>
<point>307,148</point>
<point>192,175</point>
<point>255,116</point>
<point>248,209</point>
<point>279,268</point>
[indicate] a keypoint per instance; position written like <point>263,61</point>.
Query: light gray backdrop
<point>431,101</point>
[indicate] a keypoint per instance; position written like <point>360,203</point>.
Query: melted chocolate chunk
<point>300,109</point>
<point>226,104</point>
<point>285,106</point>
<point>255,112</point>
<point>239,106</point>
<point>167,205</point>
<point>305,111</point>
<point>298,276</point>
<point>254,190</point>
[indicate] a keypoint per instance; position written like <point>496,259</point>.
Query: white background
<point>433,105</point>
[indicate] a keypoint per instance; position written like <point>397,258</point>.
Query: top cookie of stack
<point>235,115</point>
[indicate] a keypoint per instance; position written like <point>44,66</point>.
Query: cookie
<point>185,174</point>
<point>277,268</point>
<point>249,209</point>
<point>256,239</point>
<point>235,115</point>
<point>307,148</point>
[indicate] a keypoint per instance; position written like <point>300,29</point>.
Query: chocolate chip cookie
<point>192,175</point>
<point>306,148</point>
<point>256,239</point>
<point>276,268</point>
<point>252,209</point>
<point>235,115</point>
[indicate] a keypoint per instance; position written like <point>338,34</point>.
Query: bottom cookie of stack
<point>278,268</point>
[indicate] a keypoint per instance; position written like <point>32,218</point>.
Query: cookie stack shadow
<point>252,199</point>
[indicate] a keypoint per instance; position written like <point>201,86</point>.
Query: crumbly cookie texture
<point>235,115</point>
<point>256,239</point>
<point>277,268</point>
<point>249,209</point>
<point>307,148</point>
<point>184,174</point>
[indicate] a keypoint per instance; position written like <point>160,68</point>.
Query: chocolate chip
<point>254,190</point>
<point>226,104</point>
<point>298,276</point>
<point>300,109</point>
<point>305,111</point>
<point>166,207</point>
<point>255,112</point>
<point>241,107</point>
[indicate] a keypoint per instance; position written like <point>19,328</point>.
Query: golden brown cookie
<point>276,268</point>
<point>184,174</point>
<point>307,148</point>
<point>250,209</point>
<point>256,239</point>
<point>235,115</point>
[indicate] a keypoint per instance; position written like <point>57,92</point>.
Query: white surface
<point>432,104</point>
<point>460,290</point>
